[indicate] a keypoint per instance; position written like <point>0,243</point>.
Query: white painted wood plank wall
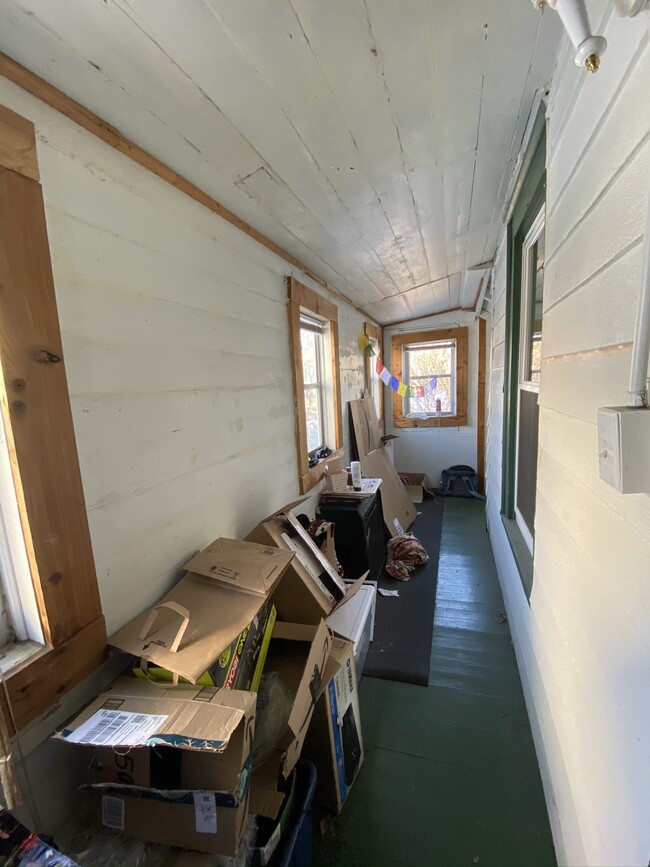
<point>583,644</point>
<point>175,333</point>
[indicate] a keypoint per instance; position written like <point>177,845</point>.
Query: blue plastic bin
<point>296,846</point>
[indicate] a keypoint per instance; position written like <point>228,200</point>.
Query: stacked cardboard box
<point>172,746</point>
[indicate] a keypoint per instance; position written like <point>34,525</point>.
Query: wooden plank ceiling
<point>372,139</point>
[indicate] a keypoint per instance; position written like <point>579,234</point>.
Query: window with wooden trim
<point>374,385</point>
<point>40,446</point>
<point>313,325</point>
<point>434,366</point>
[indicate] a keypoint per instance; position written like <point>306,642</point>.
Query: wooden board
<point>480,409</point>
<point>40,683</point>
<point>17,144</point>
<point>37,416</point>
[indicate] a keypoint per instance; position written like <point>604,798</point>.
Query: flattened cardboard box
<point>335,742</point>
<point>299,654</point>
<point>310,588</point>
<point>204,613</point>
<point>175,761</point>
<point>241,664</point>
<point>399,511</point>
<point>365,426</point>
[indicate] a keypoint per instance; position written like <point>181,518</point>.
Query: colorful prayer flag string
<point>402,388</point>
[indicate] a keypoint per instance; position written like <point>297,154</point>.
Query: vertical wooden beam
<point>480,421</point>
<point>38,418</point>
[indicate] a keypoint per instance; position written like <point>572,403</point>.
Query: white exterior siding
<point>583,643</point>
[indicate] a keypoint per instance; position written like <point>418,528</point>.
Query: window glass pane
<point>313,418</point>
<point>420,365</point>
<point>308,340</point>
<point>533,358</point>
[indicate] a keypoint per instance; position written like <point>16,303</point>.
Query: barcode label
<point>117,728</point>
<point>205,812</point>
<point>398,526</point>
<point>113,813</point>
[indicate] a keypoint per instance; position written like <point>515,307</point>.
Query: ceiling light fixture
<point>589,48</point>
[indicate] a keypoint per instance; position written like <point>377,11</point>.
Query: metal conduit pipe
<point>637,394</point>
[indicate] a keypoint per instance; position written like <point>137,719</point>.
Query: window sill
<point>36,684</point>
<point>18,653</point>
<point>313,476</point>
<point>521,553</point>
<point>432,421</point>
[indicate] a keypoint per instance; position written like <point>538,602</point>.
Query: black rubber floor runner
<point>401,648</point>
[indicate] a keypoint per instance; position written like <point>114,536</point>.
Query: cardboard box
<point>241,664</point>
<point>336,477</point>
<point>354,621</point>
<point>174,762</point>
<point>311,588</point>
<point>418,484</point>
<point>399,511</point>
<point>299,653</point>
<point>334,741</point>
<point>205,612</point>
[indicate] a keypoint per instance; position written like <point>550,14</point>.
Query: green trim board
<point>530,201</point>
<point>522,555</point>
<point>531,198</point>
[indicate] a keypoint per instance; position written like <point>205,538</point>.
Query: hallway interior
<point>450,775</point>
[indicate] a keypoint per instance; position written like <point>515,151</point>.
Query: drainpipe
<point>637,394</point>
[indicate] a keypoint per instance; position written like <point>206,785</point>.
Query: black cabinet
<point>359,534</point>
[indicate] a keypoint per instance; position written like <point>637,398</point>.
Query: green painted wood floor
<point>450,775</point>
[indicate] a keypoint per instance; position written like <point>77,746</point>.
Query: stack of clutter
<point>232,673</point>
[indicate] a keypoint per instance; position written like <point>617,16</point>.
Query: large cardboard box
<point>299,654</point>
<point>310,588</point>
<point>174,762</point>
<point>334,741</point>
<point>365,426</point>
<point>207,610</point>
<point>399,511</point>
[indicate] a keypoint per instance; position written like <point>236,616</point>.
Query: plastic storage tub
<point>295,847</point>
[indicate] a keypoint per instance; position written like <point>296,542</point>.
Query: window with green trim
<point>524,329</point>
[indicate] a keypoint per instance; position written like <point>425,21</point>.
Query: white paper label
<point>117,728</point>
<point>205,813</point>
<point>398,527</point>
<point>388,592</point>
<point>113,813</point>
